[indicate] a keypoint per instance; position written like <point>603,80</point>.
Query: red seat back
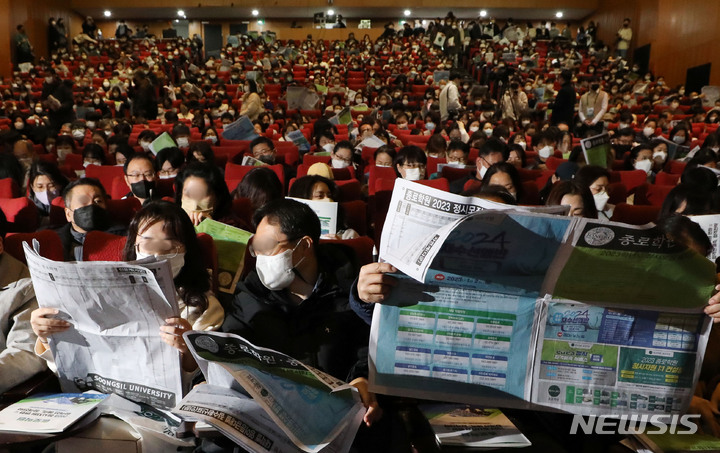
<point>362,246</point>
<point>635,214</point>
<point>21,214</point>
<point>50,244</point>
<point>355,213</point>
<point>238,172</point>
<point>105,174</point>
<point>101,246</point>
<point>9,188</point>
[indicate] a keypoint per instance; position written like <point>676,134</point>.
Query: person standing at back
<point>23,48</point>
<point>624,36</point>
<point>449,97</point>
<point>564,107</point>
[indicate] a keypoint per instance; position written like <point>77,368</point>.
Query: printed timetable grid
<point>471,346</point>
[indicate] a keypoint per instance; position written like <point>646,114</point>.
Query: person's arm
<point>372,286</point>
<point>453,98</point>
<point>18,361</point>
<point>581,109</point>
<point>603,109</point>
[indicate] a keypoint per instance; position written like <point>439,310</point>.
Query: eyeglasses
<point>146,175</point>
<point>167,172</point>
<point>263,151</point>
<point>267,248</point>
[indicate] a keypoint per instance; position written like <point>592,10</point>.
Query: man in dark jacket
<point>58,98</point>
<point>85,210</point>
<point>564,108</point>
<point>296,299</point>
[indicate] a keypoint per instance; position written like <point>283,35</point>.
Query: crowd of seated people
<point>472,118</point>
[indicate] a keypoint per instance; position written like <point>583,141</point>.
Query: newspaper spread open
<point>516,309</point>
<point>286,390</point>
<point>116,310</point>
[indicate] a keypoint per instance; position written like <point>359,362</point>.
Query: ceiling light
<point>181,13</point>
<point>330,12</point>
<point>483,13</point>
<point>407,12</point>
<point>559,14</point>
<point>107,13</point>
<point>255,12</point>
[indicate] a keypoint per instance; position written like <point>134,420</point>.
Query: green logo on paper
<point>554,391</point>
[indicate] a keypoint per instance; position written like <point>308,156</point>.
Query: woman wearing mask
<point>160,229</point>
<point>318,188</point>
<point>251,103</point>
<point>384,157</point>
<point>45,184</point>
<point>168,162</point>
<point>574,195</point>
<point>211,136</point>
<point>680,135</point>
<point>505,175</point>
<point>145,138</point>
<point>342,155</point>
<point>641,158</point>
<point>201,191</point>
<point>411,163</point>
<point>64,145</point>
<point>597,179</point>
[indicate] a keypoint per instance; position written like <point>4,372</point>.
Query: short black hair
<point>82,182</point>
<point>458,145</point>
<point>258,140</point>
<point>492,145</point>
<point>137,156</point>
<point>171,154</point>
<point>294,218</point>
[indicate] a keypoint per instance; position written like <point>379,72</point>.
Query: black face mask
<point>595,86</point>
<point>267,159</point>
<point>143,189</point>
<point>91,217</point>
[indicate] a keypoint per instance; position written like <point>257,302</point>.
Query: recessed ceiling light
<point>483,13</point>
<point>255,12</point>
<point>559,14</point>
<point>330,12</point>
<point>407,12</point>
<point>107,13</point>
<point>181,13</point>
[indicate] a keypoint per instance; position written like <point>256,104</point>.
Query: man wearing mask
<point>17,300</point>
<point>514,102</point>
<point>564,106</point>
<point>449,97</point>
<point>624,36</point>
<point>85,210</point>
<point>263,149</point>
<point>140,176</point>
<point>491,152</point>
<point>296,299</point>
<point>57,97</point>
<point>593,106</point>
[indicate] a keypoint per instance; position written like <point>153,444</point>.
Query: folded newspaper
<point>116,310</point>
<point>265,400</point>
<point>519,309</point>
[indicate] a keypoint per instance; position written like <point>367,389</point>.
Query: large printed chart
<point>462,337</point>
<point>618,360</point>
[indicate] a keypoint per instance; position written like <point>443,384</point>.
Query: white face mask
<point>276,272</point>
<point>86,163</point>
<point>383,166</point>
<point>456,164</point>
<point>183,142</point>
<point>43,197</point>
<point>91,124</point>
<point>488,132</point>
<point>545,151</point>
<point>644,165</point>
<point>648,131</point>
<point>78,134</point>
<point>660,156</point>
<point>473,128</point>
<point>601,200</point>
<point>176,260</point>
<point>483,170</point>
<point>145,145</point>
<point>211,138</point>
<point>679,139</point>
<point>339,163</point>
<point>329,147</point>
<point>412,174</point>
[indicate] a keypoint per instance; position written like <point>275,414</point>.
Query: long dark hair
<point>192,282</point>
<point>215,182</point>
<point>42,168</point>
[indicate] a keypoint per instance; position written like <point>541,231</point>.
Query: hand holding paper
<point>374,283</point>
